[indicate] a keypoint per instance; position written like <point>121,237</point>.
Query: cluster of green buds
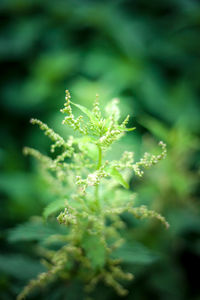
<point>90,190</point>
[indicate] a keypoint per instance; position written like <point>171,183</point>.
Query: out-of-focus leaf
<point>135,253</point>
<point>113,109</point>
<point>16,184</point>
<point>53,207</point>
<point>183,221</point>
<point>94,249</point>
<point>156,127</point>
<point>118,177</point>
<point>89,148</point>
<point>20,266</point>
<point>34,231</point>
<point>53,66</point>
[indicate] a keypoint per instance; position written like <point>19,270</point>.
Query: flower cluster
<point>70,120</point>
<point>58,140</point>
<point>149,160</point>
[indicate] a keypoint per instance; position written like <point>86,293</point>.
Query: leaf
<point>125,129</point>
<point>22,184</point>
<point>88,112</point>
<point>94,249</point>
<point>112,109</point>
<point>184,221</point>
<point>20,266</point>
<point>135,253</point>
<point>34,231</point>
<point>118,177</point>
<point>89,148</point>
<point>156,127</point>
<point>53,207</point>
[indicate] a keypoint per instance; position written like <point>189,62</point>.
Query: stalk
<point>96,192</point>
<point>100,158</point>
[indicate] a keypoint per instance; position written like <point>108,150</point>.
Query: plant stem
<point>100,158</point>
<point>98,167</point>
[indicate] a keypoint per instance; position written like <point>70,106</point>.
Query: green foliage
<point>118,177</point>
<point>145,52</point>
<point>53,207</point>
<point>81,170</point>
<point>12,263</point>
<point>135,253</point>
<point>94,249</point>
<point>35,231</point>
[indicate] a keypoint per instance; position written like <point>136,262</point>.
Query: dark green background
<point>147,53</point>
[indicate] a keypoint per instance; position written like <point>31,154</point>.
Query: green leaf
<point>135,253</point>
<point>22,184</point>
<point>113,109</point>
<point>20,266</point>
<point>118,177</point>
<point>53,207</point>
<point>89,148</point>
<point>126,129</point>
<point>34,231</point>
<point>156,127</point>
<point>88,112</point>
<point>94,249</point>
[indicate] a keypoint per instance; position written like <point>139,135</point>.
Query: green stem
<point>98,167</point>
<point>100,158</point>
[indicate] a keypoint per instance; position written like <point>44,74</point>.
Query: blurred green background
<point>147,53</point>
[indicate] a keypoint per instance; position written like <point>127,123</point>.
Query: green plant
<point>91,195</point>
